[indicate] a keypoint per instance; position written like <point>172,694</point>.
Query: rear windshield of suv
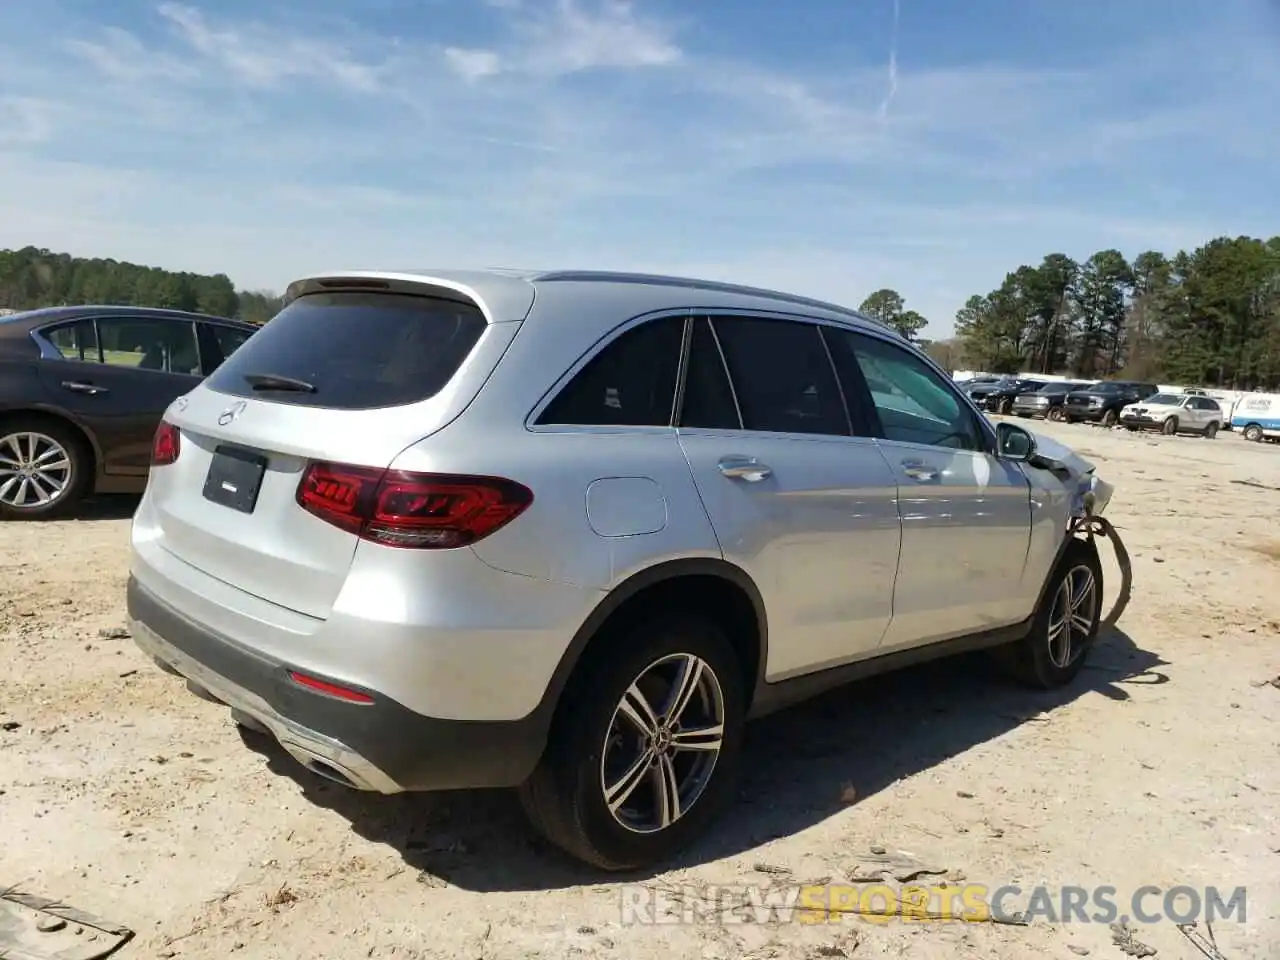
<point>353,351</point>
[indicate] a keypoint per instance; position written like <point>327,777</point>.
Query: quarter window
<point>912,401</point>
<point>782,376</point>
<point>630,382</point>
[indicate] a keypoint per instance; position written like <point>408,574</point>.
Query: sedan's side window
<point>630,382</point>
<point>229,339</point>
<point>782,376</point>
<point>150,344</point>
<point>912,401</point>
<point>75,341</point>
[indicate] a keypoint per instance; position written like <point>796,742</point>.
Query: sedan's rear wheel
<point>44,468</point>
<point>644,747</point>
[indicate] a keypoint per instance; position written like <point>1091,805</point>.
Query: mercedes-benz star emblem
<point>231,413</point>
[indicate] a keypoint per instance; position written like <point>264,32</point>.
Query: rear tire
<point>54,461</point>
<point>1211,431</point>
<point>1065,625</point>
<point>598,750</point>
<point>1169,427</point>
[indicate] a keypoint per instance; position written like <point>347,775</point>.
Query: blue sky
<point>828,147</point>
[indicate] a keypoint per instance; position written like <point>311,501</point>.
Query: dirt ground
<point>123,795</point>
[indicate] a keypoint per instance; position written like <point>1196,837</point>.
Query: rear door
<point>798,494</point>
<point>966,514</point>
<point>117,375</point>
<point>346,376</point>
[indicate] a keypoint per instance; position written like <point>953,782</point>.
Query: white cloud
<point>473,64</point>
<point>262,58</point>
<point>235,146</point>
<point>569,36</point>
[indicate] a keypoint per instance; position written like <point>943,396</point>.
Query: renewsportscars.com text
<point>968,902</point>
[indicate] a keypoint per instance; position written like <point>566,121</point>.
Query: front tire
<point>1065,625</point>
<point>1109,418</point>
<point>1169,427</point>
<point>1253,432</point>
<point>45,468</point>
<point>1055,414</point>
<point>645,746</point>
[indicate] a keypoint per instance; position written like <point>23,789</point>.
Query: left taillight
<point>166,445</point>
<point>414,510</point>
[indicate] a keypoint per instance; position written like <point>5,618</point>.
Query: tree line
<point>1209,317</point>
<point>33,277</point>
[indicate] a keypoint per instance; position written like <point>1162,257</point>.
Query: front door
<point>966,514</point>
<point>806,508</point>
<point>118,375</point>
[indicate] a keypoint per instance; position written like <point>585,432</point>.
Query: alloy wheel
<point>35,470</point>
<point>662,743</point>
<point>1071,619</point>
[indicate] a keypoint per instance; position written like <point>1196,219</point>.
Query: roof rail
<point>609,276</point>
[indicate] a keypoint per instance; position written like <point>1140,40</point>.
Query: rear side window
<point>354,351</point>
<point>631,382</point>
<point>782,376</point>
<point>75,341</point>
<point>708,397</point>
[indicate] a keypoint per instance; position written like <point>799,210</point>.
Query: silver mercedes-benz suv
<point>568,531</point>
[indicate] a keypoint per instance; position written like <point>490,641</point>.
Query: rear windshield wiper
<point>274,381</point>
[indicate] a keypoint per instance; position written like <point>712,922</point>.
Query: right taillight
<point>165,445</point>
<point>425,511</point>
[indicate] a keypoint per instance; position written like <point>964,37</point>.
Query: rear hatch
<point>339,376</point>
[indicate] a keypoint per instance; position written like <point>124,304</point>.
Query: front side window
<point>782,376</point>
<point>164,345</point>
<point>630,382</point>
<point>912,401</point>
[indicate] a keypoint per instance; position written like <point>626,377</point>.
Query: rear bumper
<point>383,746</point>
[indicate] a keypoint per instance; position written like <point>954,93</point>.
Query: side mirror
<point>1014,443</point>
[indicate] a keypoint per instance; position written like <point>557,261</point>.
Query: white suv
<point>568,531</point>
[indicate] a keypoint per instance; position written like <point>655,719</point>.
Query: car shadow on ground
<point>107,506</point>
<point>796,763</point>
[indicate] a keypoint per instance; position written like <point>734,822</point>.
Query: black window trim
<point>863,421</point>
<point>602,343</point>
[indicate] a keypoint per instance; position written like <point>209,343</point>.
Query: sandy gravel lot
<point>125,796</point>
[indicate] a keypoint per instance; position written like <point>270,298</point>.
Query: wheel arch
<point>698,584</point>
<point>49,415</point>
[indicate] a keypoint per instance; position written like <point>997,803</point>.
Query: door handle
<point>744,468</point>
<point>78,386</point>
<point>919,471</point>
